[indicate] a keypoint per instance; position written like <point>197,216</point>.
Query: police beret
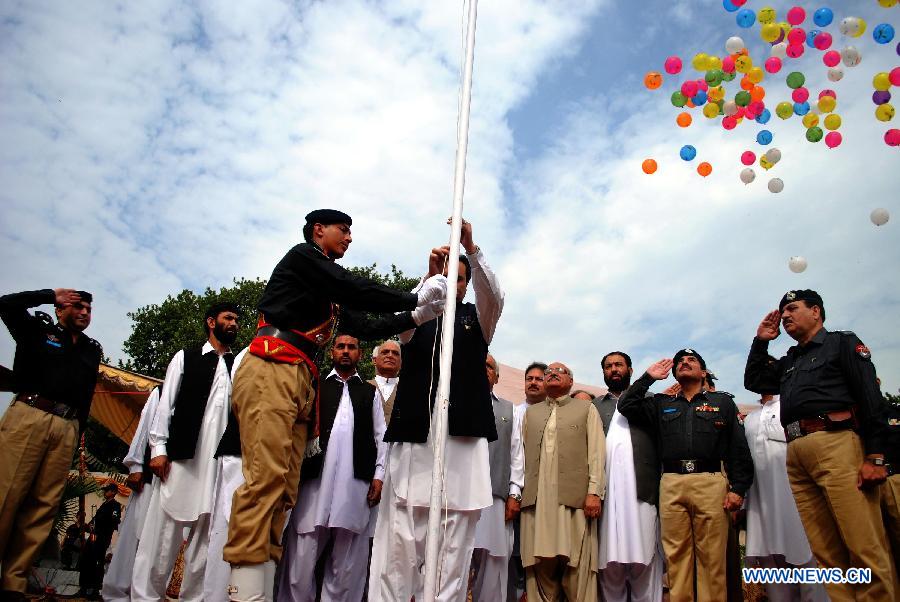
<point>810,296</point>
<point>86,296</point>
<point>684,352</point>
<point>327,217</point>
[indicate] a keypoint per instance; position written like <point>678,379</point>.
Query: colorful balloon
<point>828,92</point>
<point>764,137</point>
<point>743,64</point>
<point>773,155</point>
<point>773,64</point>
<point>800,95</point>
<point>678,99</point>
<point>699,99</point>
<point>649,166</point>
<point>734,44</point>
<point>766,15</point>
<point>742,98</point>
<point>861,30</point>
<point>801,108</point>
<point>769,32</point>
<point>729,6</point>
<point>795,79</point>
<point>810,120</point>
<point>795,51</point>
<point>729,122</point>
<point>851,56</point>
<point>699,61</point>
<point>797,264</point>
<point>822,41</point>
<point>883,33</point>
<point>747,175</point>
<point>826,104</point>
<point>748,157</point>
<point>892,137</point>
<point>832,122</point>
<point>755,75</point>
<point>880,97</point>
<point>764,117</point>
<point>796,15</point>
<point>850,26</point>
<point>683,119</point>
<point>894,76</point>
<point>689,88</point>
<point>831,58</point>
<point>835,74</point>
<point>880,216</point>
<point>882,81</point>
<point>713,77</point>
<point>823,17</point>
<point>729,108</point>
<point>673,65</point>
<point>653,80</point>
<point>833,139</point>
<point>765,163</point>
<point>884,112</point>
<point>688,152</point>
<point>814,134</point>
<point>757,94</point>
<point>745,18</point>
<point>784,109</point>
<point>711,110</point>
<point>728,64</point>
<point>780,50</point>
<point>704,169</point>
<point>796,36</point>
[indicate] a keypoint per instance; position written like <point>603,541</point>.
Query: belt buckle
<point>794,431</point>
<point>688,466</point>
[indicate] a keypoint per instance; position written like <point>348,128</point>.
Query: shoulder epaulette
<point>845,332</point>
<point>44,317</point>
<point>731,395</point>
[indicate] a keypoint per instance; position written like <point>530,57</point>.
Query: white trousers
<point>492,574</point>
<point>646,581</point>
<point>117,581</point>
<point>397,571</point>
<point>218,572</point>
<point>157,552</point>
<point>345,568</point>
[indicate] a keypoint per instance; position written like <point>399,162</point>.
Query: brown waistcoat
<point>387,404</point>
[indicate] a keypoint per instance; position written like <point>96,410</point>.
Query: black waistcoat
<point>190,403</point>
<point>361,396</point>
<point>471,413</point>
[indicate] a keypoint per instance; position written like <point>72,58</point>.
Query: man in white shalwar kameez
<point>117,581</point>
<point>775,535</point>
<point>192,414</point>
<point>398,553</point>
<point>337,492</point>
<point>494,531</point>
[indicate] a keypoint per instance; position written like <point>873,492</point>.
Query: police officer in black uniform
<point>54,374</point>
<point>101,528</point>
<point>890,491</point>
<point>697,431</point>
<point>833,415</point>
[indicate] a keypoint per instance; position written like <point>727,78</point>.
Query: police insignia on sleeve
<point>863,351</point>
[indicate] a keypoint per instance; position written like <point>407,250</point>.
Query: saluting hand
<point>769,328</point>
<point>66,296</point>
<point>661,369</point>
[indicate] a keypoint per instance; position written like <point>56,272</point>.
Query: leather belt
<point>51,407</point>
<point>842,420</point>
<point>691,466</point>
<point>291,338</point>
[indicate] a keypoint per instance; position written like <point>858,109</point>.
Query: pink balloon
<point>891,137</point>
<point>728,64</point>
<point>796,15</point>
<point>755,108</point>
<point>748,158</point>
<point>673,65</point>
<point>729,122</point>
<point>739,2</point>
<point>795,50</point>
<point>827,92</point>
<point>831,58</point>
<point>702,85</point>
<point>833,139</point>
<point>894,76</point>
<point>822,41</point>
<point>689,88</point>
<point>800,95</point>
<point>796,36</point>
<point>773,64</point>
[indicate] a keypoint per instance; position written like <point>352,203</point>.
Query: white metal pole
<point>439,415</point>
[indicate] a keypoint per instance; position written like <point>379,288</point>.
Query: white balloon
<point>850,26</point>
<point>835,74</point>
<point>773,155</point>
<point>880,216</point>
<point>851,56</point>
<point>734,45</point>
<point>797,264</point>
<point>747,175</point>
<point>776,185</point>
<point>729,108</point>
<point>780,50</point>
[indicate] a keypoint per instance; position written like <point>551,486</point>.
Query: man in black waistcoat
<point>398,551</point>
<point>101,528</point>
<point>190,420</point>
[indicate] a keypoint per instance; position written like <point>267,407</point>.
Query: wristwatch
<point>516,497</point>
<point>877,461</point>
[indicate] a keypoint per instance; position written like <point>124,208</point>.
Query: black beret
<point>110,487</point>
<point>86,296</point>
<point>810,296</point>
<point>216,308</point>
<point>684,352</point>
<point>328,216</point>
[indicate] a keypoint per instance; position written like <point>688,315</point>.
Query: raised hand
<point>661,369</point>
<point>769,328</point>
<point>66,296</point>
<point>437,259</point>
<point>465,236</point>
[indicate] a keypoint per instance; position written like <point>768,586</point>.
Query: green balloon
<point>784,109</point>
<point>814,134</point>
<point>714,77</point>
<point>742,98</point>
<point>727,77</point>
<point>795,79</point>
<point>721,105</point>
<point>679,99</point>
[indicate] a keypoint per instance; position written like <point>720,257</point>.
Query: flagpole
<point>439,419</point>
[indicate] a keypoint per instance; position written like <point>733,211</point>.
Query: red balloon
<point>729,122</point>
<point>796,36</point>
<point>827,92</point>
<point>894,76</point>
<point>673,65</point>
<point>796,15</point>
<point>689,88</point>
<point>822,41</point>
<point>833,139</point>
<point>795,50</point>
<point>800,95</point>
<point>702,85</point>
<point>773,64</point>
<point>728,64</point>
<point>748,158</point>
<point>831,58</point>
<point>891,137</point>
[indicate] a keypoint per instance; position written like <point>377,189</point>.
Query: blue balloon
<point>688,152</point>
<point>801,108</point>
<point>699,99</point>
<point>823,17</point>
<point>883,33</point>
<point>727,5</point>
<point>745,18</point>
<point>764,117</point>
<point>764,137</point>
<point>811,37</point>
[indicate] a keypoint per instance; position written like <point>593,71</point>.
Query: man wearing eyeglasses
<point>564,483</point>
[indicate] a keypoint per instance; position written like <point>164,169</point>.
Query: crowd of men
<point>281,483</point>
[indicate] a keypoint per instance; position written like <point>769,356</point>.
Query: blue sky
<point>154,147</point>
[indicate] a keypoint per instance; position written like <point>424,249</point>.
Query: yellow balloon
<point>887,3</point>
<point>699,61</point>
<point>716,94</point>
<point>826,104</point>
<point>810,120</point>
<point>743,64</point>
<point>766,15</point>
<point>769,32</point>
<point>862,28</point>
<point>882,81</point>
<point>756,75</point>
<point>832,122</point>
<point>765,163</point>
<point>884,112</point>
<point>713,62</point>
<point>785,27</point>
<point>711,110</point>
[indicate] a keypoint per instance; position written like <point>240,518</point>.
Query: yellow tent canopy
<point>119,397</point>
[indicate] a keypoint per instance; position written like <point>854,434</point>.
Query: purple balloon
<point>880,97</point>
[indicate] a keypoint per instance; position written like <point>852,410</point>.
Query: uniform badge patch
<point>863,351</point>
<point>53,340</point>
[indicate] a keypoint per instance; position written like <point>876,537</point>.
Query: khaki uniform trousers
<point>890,509</point>
<point>842,522</point>
<point>36,450</point>
<point>694,529</point>
<point>272,403</point>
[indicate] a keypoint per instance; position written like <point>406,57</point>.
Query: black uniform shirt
<point>832,372</point>
<point>107,519</point>
<point>892,448</point>
<point>705,428</point>
<point>306,282</point>
<point>47,362</point>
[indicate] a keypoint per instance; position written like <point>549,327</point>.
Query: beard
<point>617,383</point>
<point>225,337</point>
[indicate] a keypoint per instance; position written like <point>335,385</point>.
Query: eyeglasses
<point>557,370</point>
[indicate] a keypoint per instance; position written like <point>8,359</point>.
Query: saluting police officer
<point>833,415</point>
<point>696,430</point>
<point>54,373</point>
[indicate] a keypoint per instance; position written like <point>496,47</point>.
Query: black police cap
<point>811,297</point>
<point>684,352</point>
<point>326,217</point>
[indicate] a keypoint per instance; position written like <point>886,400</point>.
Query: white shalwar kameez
<point>493,533</point>
<point>333,507</point>
<point>117,581</point>
<point>775,535</point>
<point>397,571</point>
<point>629,527</point>
<point>185,500</point>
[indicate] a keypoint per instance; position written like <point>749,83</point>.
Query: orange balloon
<point>757,93</point>
<point>649,166</point>
<point>653,80</point>
<point>683,119</point>
<point>746,84</point>
<point>704,169</point>
<point>690,103</point>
